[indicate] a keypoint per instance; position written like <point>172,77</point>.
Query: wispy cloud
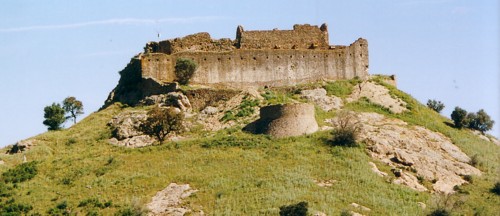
<point>122,21</point>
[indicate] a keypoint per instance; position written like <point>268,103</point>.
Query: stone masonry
<point>258,58</point>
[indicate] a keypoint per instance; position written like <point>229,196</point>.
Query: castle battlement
<point>258,58</point>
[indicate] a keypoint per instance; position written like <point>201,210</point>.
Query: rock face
<point>379,95</point>
<point>287,120</point>
<point>415,151</point>
<point>318,96</point>
<point>169,200</point>
<point>175,99</point>
<point>125,130</point>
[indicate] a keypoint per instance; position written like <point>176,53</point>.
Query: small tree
<point>459,117</point>
<point>184,70</point>
<point>480,121</point>
<point>161,122</point>
<point>435,105</point>
<point>346,130</point>
<point>54,116</point>
<point>73,106</point>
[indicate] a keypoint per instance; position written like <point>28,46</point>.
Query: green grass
<point>236,173</point>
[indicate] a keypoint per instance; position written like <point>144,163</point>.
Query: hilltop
<point>235,172</point>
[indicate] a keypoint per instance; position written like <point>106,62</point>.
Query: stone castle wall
<point>249,60</point>
<point>301,37</point>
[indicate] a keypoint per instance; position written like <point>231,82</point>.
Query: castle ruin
<point>258,58</point>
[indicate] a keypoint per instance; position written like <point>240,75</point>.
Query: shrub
<point>474,161</point>
<point>161,122</point>
<point>496,189</point>
<point>459,117</point>
<point>12,208</point>
<point>469,178</point>
<point>54,116</point>
<point>299,209</point>
<point>435,105</point>
<point>480,121</point>
<point>439,212</point>
<point>184,70</point>
<point>21,173</point>
<point>346,130</point>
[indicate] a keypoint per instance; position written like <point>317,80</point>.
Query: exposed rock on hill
<point>379,95</point>
<point>169,201</point>
<point>125,130</point>
<point>23,145</point>
<point>318,96</point>
<point>415,150</point>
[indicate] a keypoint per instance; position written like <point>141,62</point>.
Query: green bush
<point>54,116</point>
<point>480,121</point>
<point>440,212</point>
<point>435,105</point>
<point>13,208</point>
<point>20,173</point>
<point>496,189</point>
<point>161,122</point>
<point>184,70</point>
<point>459,117</point>
<point>299,209</point>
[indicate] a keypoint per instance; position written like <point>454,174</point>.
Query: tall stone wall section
<point>301,37</point>
<point>240,68</point>
<point>221,63</point>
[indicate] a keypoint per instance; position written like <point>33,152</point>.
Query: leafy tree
<point>184,70</point>
<point>435,105</point>
<point>54,116</point>
<point>459,117</point>
<point>73,106</point>
<point>162,121</point>
<point>480,121</point>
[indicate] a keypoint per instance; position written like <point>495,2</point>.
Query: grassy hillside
<point>236,173</point>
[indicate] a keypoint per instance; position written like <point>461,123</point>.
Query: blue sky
<point>439,49</point>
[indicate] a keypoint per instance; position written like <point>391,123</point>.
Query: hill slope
<point>238,173</point>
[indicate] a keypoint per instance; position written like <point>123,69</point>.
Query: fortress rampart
<point>258,58</point>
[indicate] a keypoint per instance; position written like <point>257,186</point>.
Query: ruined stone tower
<point>258,58</point>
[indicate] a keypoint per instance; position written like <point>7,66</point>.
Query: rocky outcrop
<point>318,96</point>
<point>286,120</point>
<point>125,130</point>
<point>169,201</point>
<point>377,94</point>
<point>174,99</point>
<point>414,151</point>
<point>21,146</point>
